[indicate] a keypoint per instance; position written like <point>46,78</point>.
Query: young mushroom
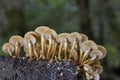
<point>97,68</point>
<point>29,41</point>
<point>74,39</point>
<point>35,40</point>
<point>103,50</point>
<point>84,37</point>
<point>88,45</point>
<point>8,48</point>
<point>17,42</point>
<point>50,35</point>
<point>62,40</point>
<point>41,31</point>
<point>96,54</point>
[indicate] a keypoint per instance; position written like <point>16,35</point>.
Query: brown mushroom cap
<point>97,68</point>
<point>77,35</point>
<point>50,34</point>
<point>35,34</point>
<point>41,29</point>
<point>87,68</point>
<point>29,38</point>
<point>6,46</point>
<point>84,37</point>
<point>97,53</point>
<point>96,76</point>
<point>103,50</point>
<point>61,37</point>
<point>88,45</point>
<point>74,35</point>
<point>15,39</point>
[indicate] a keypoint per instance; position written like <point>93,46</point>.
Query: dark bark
<point>22,69</point>
<point>84,17</point>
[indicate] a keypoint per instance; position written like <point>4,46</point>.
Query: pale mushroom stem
<point>30,50</point>
<point>75,56</point>
<point>72,48</point>
<point>16,50</point>
<point>90,61</point>
<point>54,50</point>
<point>65,50</point>
<point>49,48</point>
<point>10,53</point>
<point>35,52</point>
<point>81,55</point>
<point>42,46</point>
<point>59,52</point>
<point>85,55</point>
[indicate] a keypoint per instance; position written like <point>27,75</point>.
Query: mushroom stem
<point>30,50</point>
<point>16,50</point>
<point>85,55</point>
<point>42,46</point>
<point>81,55</point>
<point>54,50</point>
<point>90,61</point>
<point>49,48</point>
<point>10,53</point>
<point>35,52</point>
<point>65,50</point>
<point>71,51</point>
<point>59,52</point>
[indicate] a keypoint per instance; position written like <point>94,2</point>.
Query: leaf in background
<point>113,56</point>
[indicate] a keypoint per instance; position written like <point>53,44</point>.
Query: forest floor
<point>23,69</point>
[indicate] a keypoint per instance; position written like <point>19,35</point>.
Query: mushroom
<point>97,68</point>
<point>73,38</point>
<point>88,71</point>
<point>75,56</point>
<point>41,31</point>
<point>29,41</point>
<point>8,48</point>
<point>103,50</point>
<point>88,45</point>
<point>17,42</point>
<point>35,41</point>
<point>62,40</point>
<point>96,76</point>
<point>50,36</point>
<point>83,57</point>
<point>96,54</point>
<point>84,37</point>
<point>75,35</point>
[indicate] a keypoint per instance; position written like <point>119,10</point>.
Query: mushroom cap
<point>87,68</point>
<point>61,37</point>
<point>97,68</point>
<point>77,35</point>
<point>96,76</point>
<point>97,53</point>
<point>35,34</point>
<point>50,34</point>
<point>96,62</point>
<point>15,39</point>
<point>74,35</point>
<point>41,29</point>
<point>103,50</point>
<point>29,38</point>
<point>88,45</point>
<point>7,46</point>
<point>84,37</point>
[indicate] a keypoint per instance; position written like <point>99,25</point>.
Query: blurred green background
<point>99,19</point>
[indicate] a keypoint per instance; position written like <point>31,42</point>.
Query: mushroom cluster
<point>45,43</point>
